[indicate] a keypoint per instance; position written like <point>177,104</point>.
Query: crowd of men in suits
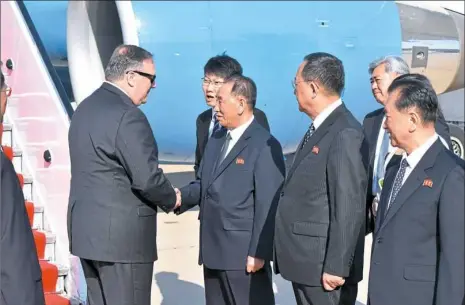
<point>393,176</point>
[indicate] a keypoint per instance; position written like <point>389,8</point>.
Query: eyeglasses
<point>149,76</point>
<point>7,91</point>
<point>294,83</point>
<point>215,83</point>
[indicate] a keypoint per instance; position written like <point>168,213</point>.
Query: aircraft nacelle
<point>270,40</point>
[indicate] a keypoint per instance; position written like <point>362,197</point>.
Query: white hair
<point>391,64</point>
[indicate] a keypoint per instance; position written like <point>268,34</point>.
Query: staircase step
<point>53,277</point>
<point>7,135</point>
<point>56,299</point>
<point>39,220</point>
<point>40,240</point>
<point>18,159</point>
<point>27,186</point>
<point>62,273</point>
<point>45,244</point>
<point>8,151</point>
<point>30,212</point>
<point>49,276</point>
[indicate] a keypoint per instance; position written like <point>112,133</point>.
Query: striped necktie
<point>308,134</point>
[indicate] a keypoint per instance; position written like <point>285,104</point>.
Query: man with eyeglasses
<point>116,183</point>
<point>20,275</point>
<point>216,70</point>
<point>378,152</point>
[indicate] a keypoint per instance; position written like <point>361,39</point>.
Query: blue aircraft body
<point>270,40</point>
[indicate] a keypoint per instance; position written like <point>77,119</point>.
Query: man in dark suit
<point>237,188</point>
<point>319,237</point>
<point>216,70</point>
<point>378,152</point>
<point>20,275</point>
<point>418,244</point>
<point>116,183</point>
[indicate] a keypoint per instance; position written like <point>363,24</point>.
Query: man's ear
<point>314,89</point>
<point>241,104</point>
<point>131,79</point>
<point>414,120</point>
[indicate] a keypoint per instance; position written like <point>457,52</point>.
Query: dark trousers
<point>317,295</point>
<point>117,284</point>
<point>237,287</point>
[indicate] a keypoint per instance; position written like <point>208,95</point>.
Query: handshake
<point>178,198</point>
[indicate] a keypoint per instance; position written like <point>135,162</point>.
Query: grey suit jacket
<point>20,275</point>
<point>116,183</point>
<point>237,199</point>
<point>321,214</point>
<point>371,126</point>
<point>418,245</point>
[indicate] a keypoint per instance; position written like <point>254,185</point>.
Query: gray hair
<point>125,58</point>
<point>243,86</point>
<point>391,63</point>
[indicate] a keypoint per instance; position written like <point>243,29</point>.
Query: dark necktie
<point>398,182</point>
<point>225,148</point>
<point>308,134</point>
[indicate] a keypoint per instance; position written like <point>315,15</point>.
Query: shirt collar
<point>237,132</point>
<point>418,153</point>
<point>116,86</point>
<point>326,113</point>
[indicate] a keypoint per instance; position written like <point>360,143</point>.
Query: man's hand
<point>331,282</point>
<point>254,264</point>
<point>178,198</point>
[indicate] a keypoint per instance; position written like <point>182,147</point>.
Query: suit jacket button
<point>379,240</point>
<point>282,194</point>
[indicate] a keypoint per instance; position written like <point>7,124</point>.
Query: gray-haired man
<point>116,183</point>
<point>379,151</point>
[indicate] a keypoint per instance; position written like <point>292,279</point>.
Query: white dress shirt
<point>414,158</point>
<point>212,123</point>
<point>326,113</point>
<point>115,85</point>
<point>236,134</point>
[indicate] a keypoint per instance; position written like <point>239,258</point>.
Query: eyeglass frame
<point>206,82</point>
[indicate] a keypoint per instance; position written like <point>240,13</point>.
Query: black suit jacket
<point>116,184</point>
<point>321,214</point>
<point>371,127</point>
<point>418,246</point>
<point>21,278</point>
<point>238,199</point>
<point>203,124</point>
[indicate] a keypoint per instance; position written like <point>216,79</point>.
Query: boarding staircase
<point>34,137</point>
<point>53,274</point>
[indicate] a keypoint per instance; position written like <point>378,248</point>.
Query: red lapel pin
<point>428,182</point>
<point>240,161</point>
<point>315,150</point>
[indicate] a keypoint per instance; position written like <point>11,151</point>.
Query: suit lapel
<point>385,194</point>
<point>212,153</point>
<point>236,150</point>
<point>315,138</point>
<point>413,182</point>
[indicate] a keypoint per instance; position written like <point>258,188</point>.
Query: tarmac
<point>178,278</point>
